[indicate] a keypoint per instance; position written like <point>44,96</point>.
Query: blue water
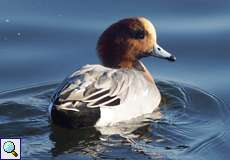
<point>41,42</point>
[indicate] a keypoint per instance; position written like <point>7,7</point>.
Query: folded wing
<point>93,86</point>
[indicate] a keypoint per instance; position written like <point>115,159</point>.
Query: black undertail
<point>86,117</point>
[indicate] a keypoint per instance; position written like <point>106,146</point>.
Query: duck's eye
<point>159,49</point>
<point>138,34</point>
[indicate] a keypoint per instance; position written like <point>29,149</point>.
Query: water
<point>43,41</point>
<point>183,128</point>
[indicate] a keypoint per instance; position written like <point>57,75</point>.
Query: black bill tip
<point>172,58</point>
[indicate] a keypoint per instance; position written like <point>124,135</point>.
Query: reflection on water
<point>183,127</point>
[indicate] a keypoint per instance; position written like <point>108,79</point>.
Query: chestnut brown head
<point>128,40</point>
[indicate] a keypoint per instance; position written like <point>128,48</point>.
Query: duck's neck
<point>138,65</point>
<point>141,67</point>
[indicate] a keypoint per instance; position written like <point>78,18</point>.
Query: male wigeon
<point>118,90</point>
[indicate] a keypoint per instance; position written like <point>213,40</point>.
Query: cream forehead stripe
<point>148,26</point>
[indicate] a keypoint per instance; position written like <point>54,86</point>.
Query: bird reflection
<point>94,141</point>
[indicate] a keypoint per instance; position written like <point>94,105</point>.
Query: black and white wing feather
<point>93,86</point>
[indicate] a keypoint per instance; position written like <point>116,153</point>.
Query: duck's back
<point>97,95</point>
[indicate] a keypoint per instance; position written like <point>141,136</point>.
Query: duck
<point>117,90</point>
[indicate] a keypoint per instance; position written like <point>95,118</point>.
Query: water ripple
<point>189,123</point>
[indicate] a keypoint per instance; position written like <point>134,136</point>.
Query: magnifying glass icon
<point>9,147</point>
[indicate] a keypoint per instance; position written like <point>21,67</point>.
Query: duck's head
<point>123,43</point>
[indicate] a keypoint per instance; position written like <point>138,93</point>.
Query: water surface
<point>184,127</point>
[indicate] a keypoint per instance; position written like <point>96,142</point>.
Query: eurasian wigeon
<point>118,90</point>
